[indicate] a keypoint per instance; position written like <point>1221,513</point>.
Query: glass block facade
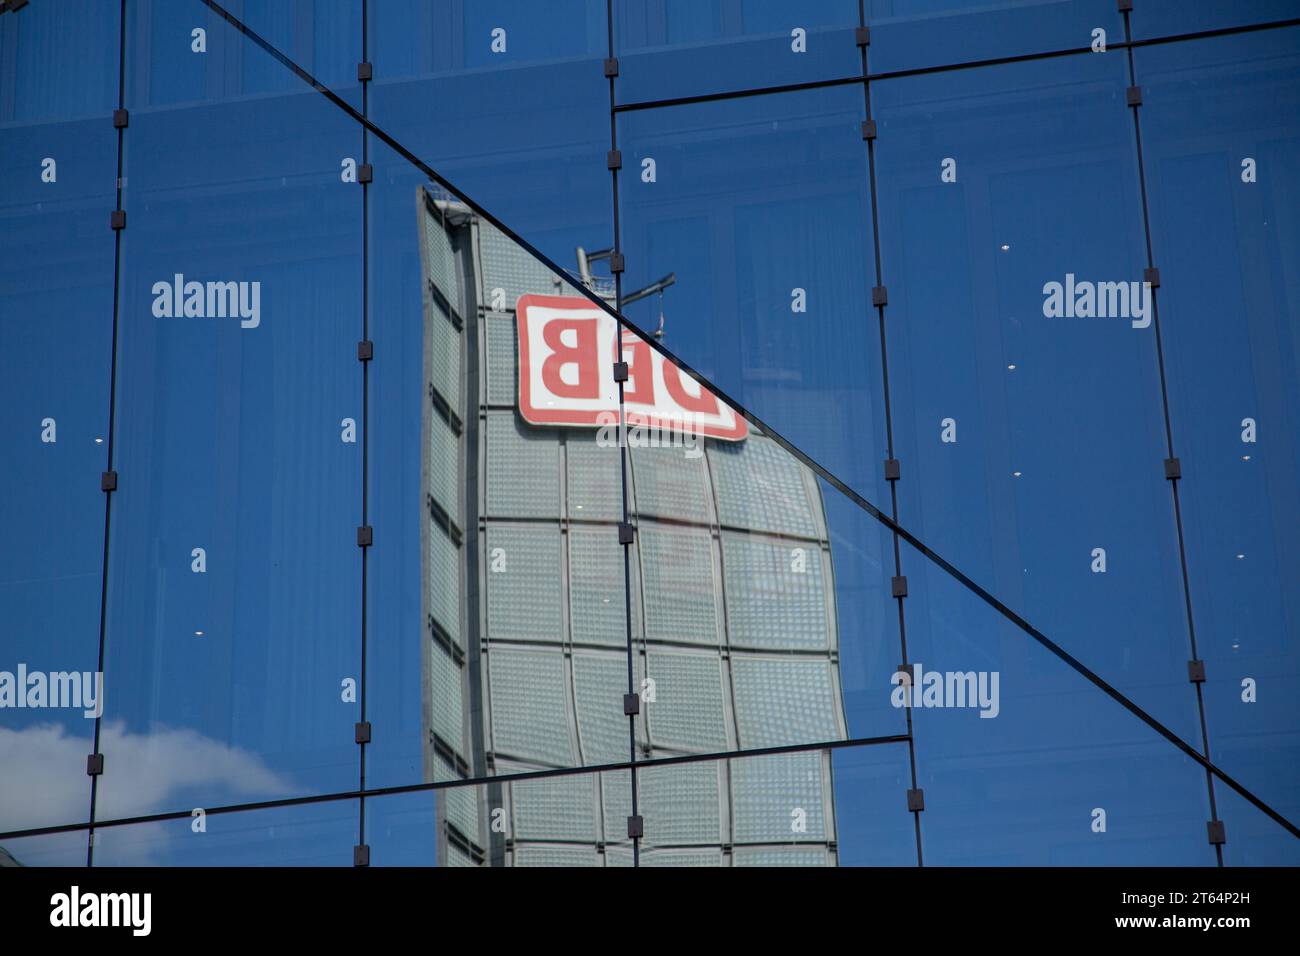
<point>728,650</point>
<point>649,433</point>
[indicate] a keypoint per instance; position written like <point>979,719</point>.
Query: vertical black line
<point>1169,433</point>
<point>889,426</point>
<point>622,434</point>
<point>365,410</point>
<point>112,416</point>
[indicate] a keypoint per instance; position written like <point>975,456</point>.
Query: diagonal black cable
<point>461,783</point>
<point>820,470</point>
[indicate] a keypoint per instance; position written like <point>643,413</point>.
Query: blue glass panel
<point>1221,124</point>
<point>234,583</point>
<point>523,132</point>
<point>313,834</point>
<point>760,209</point>
<point>1156,18</point>
<point>1025,763</point>
<point>913,34</point>
<point>484,577</point>
<point>52,849</point>
<point>59,60</point>
<point>1031,444</point>
<point>671,48</point>
<point>872,823</point>
<point>56,333</point>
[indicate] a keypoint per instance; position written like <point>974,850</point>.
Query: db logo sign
<point>566,374</point>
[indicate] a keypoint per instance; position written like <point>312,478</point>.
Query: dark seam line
<point>473,782</point>
<point>622,441</point>
<point>836,483</point>
<point>112,417</point>
<point>942,68</point>
<point>1169,435</point>
<point>365,417</point>
<point>889,426</point>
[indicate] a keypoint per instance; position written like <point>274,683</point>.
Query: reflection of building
<point>733,610</point>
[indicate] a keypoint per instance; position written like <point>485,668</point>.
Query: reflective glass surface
<point>1152,18</point>
<point>759,209</point>
<point>673,48</point>
<point>1224,126</point>
<point>56,332</point>
<point>1031,437</point>
<point>506,100</point>
<point>233,614</point>
<point>329,465</point>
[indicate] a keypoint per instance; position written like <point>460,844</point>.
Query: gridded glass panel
<point>779,798</point>
<point>907,36</point>
<point>444,583</point>
<point>555,808</point>
<point>444,345</point>
<point>760,486</point>
<point>415,344</point>
<point>680,597</point>
<point>1016,773</point>
<point>1023,360</point>
<point>616,803</point>
<point>1221,123</point>
<point>444,467</point>
<point>442,260</point>
<point>458,857</point>
<point>530,709</point>
<point>517,119</point>
<point>784,700</point>
<point>682,858</point>
<point>240,306</point>
<point>559,856</point>
<point>680,804</point>
<point>511,270</point>
<point>524,597</point>
<point>523,469</point>
<point>670,483</point>
<point>597,609</point>
<point>460,805</point>
<point>323,37</point>
<point>447,704</point>
<point>594,482</point>
<point>688,712</point>
<point>760,207</point>
<point>781,856</point>
<point>502,360</point>
<point>600,681</point>
<point>776,595</point>
<point>670,48</point>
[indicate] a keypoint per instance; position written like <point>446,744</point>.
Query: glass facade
<point>649,433</point>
